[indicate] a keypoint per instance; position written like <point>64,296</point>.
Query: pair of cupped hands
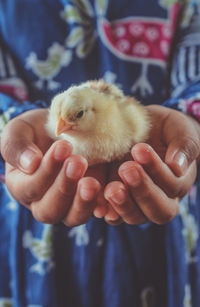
<point>43,175</point>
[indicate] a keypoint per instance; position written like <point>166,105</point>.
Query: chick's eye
<point>79,114</point>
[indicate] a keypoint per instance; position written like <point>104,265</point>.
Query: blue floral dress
<point>149,48</point>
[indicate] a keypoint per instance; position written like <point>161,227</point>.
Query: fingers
<point>28,188</point>
<point>181,153</point>
<point>149,183</point>
<point>118,196</point>
<point>182,134</point>
<point>100,172</point>
<point>53,192</point>
<point>154,190</point>
<point>20,135</point>
<point>161,174</point>
<point>84,202</point>
<point>55,203</point>
<point>151,200</point>
<point>157,169</point>
<point>102,206</point>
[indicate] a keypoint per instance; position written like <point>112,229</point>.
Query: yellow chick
<point>98,120</point>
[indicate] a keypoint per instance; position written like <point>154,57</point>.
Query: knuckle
<point>31,195</point>
<point>12,156</point>
<point>195,146</point>
<point>191,148</point>
<point>6,141</point>
<point>6,149</point>
<point>67,190</point>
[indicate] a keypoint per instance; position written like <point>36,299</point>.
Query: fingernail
<point>87,194</point>
<point>61,152</point>
<point>132,177</point>
<point>118,197</point>
<point>74,170</point>
<point>181,160</point>
<point>143,156</point>
<point>26,158</point>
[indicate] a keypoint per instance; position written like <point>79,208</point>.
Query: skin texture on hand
<point>49,181</point>
<point>57,186</point>
<point>160,173</point>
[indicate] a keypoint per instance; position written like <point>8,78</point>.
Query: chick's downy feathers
<point>100,122</point>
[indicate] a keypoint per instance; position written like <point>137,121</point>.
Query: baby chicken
<point>98,120</point>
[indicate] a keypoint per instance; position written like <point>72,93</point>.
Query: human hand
<point>161,172</point>
<point>44,176</point>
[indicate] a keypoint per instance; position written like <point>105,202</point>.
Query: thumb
<point>181,152</point>
<point>18,148</point>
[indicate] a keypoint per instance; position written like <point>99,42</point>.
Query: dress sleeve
<point>14,98</point>
<point>185,70</point>
<point>10,108</point>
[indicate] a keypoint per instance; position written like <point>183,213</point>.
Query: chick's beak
<point>62,126</point>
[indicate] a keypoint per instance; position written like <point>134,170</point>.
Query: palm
<point>164,124</point>
<point>170,131</point>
